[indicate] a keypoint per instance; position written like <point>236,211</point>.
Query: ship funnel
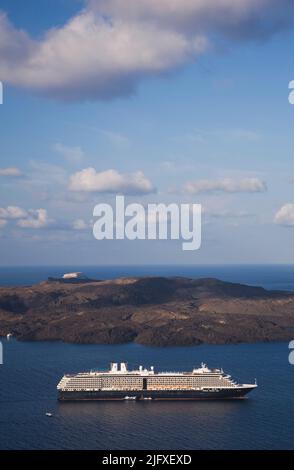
<point>113,367</point>
<point>123,367</point>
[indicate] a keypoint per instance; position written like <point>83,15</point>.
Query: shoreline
<point>4,340</point>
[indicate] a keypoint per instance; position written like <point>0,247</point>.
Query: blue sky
<point>182,101</point>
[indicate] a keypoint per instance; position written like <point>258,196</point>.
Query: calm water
<point>31,371</point>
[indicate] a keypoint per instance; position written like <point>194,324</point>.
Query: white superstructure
<point>120,378</point>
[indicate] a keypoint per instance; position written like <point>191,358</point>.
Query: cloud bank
<point>72,154</point>
<point>3,223</point>
<point>12,212</point>
<point>227,185</point>
<point>80,224</point>
<point>36,219</point>
<point>10,172</point>
<point>106,49</point>
<point>32,218</point>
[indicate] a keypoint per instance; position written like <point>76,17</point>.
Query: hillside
<point>151,311</point>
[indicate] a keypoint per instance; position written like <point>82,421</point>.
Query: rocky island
<point>152,311</point>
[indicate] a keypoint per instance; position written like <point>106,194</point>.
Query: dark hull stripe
<point>145,395</point>
<point>153,399</point>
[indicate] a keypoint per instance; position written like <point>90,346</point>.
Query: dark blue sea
<point>268,276</point>
<point>31,371</point>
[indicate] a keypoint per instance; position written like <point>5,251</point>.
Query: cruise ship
<point>119,383</point>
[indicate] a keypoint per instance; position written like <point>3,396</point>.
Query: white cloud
<point>25,218</point>
<point>12,212</point>
<point>115,137</point>
<point>11,171</point>
<point>242,134</point>
<point>285,215</point>
<point>107,48</point>
<point>36,219</point>
<point>91,57</point>
<point>228,185</point>
<point>229,214</point>
<point>72,154</point>
<point>80,224</point>
<point>200,136</point>
<point>3,223</point>
<point>231,17</point>
<point>44,174</point>
<point>110,181</point>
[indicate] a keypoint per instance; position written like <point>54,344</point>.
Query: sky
<point>162,101</point>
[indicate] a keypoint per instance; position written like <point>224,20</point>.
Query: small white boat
<point>49,415</point>
<point>130,398</point>
<point>147,398</point>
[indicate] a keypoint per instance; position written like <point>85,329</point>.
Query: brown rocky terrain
<point>151,311</point>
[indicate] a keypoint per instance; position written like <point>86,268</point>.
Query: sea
<point>31,371</point>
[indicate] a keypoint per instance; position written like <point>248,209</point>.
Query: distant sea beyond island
<point>269,276</point>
